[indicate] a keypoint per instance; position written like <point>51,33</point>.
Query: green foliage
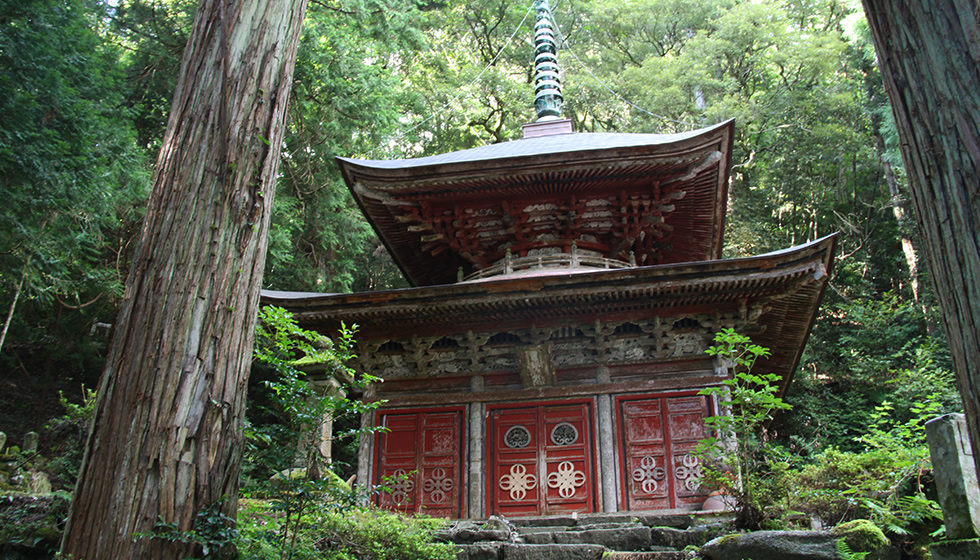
<point>213,533</point>
<point>73,183</point>
<point>284,463</point>
<point>846,553</point>
<point>888,483</point>
<point>68,434</point>
<point>736,454</point>
<point>32,524</point>
<point>83,412</point>
<point>69,171</point>
<point>374,534</point>
<point>859,538</point>
<point>299,403</point>
<point>344,103</point>
<point>862,353</point>
<point>153,35</point>
<point>359,534</point>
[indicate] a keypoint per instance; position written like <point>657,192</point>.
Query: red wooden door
<point>658,434</point>
<point>420,459</point>
<point>541,459</point>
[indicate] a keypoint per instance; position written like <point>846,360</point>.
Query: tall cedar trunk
<point>166,440</point>
<point>929,53</point>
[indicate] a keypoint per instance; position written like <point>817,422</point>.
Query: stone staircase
<point>633,536</point>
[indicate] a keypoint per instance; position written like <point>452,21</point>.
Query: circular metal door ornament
<point>517,437</point>
<point>564,434</point>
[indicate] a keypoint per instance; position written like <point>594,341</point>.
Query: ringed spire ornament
<point>548,100</point>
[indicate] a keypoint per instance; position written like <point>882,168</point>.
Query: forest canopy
<point>85,87</point>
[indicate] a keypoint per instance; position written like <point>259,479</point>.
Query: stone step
<point>595,527</point>
<point>677,519</point>
<point>648,555</point>
<point>514,551</point>
<point>683,538</point>
<point>619,538</point>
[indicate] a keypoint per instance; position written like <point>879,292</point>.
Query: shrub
<point>31,524</point>
<point>372,534</point>
<point>361,533</point>
<point>736,453</point>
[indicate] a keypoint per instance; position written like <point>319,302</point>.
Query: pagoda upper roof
<point>658,198</point>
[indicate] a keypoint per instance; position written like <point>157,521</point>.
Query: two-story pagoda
<point>567,286</point>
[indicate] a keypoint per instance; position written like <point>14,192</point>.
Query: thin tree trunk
<point>898,210</point>
<point>13,305</point>
<point>929,53</point>
<point>166,439</point>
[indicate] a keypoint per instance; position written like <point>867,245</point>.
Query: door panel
<point>541,459</point>
<point>659,470</point>
<point>420,460</point>
<point>685,421</point>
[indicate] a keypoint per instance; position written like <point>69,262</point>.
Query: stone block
<point>496,524</point>
<point>552,552</point>
<point>609,525</point>
<point>467,532</point>
<point>630,538</point>
<point>539,537</point>
<point>967,549</point>
<point>480,551</point>
<point>31,440</point>
<point>682,538</point>
<point>39,483</point>
<point>781,545</point>
<point>611,518</point>
<point>662,555</point>
<point>674,521</point>
<point>955,474</point>
<point>547,521</point>
<point>530,530</point>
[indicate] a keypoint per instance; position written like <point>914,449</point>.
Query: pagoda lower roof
<point>659,197</point>
<point>782,289</point>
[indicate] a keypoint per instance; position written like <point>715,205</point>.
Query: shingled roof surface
<point>542,145</point>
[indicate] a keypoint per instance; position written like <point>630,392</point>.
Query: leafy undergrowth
<point>362,533</point>
<point>31,525</point>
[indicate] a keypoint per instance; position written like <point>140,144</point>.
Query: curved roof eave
<point>557,148</point>
<point>399,301</point>
<point>787,284</point>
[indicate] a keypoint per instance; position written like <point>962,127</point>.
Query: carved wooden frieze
<point>604,224</point>
<point>599,343</point>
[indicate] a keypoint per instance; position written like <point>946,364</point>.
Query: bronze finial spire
<point>548,100</point>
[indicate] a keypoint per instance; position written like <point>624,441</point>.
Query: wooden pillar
<point>477,466</point>
<point>364,448</point>
<point>607,446</point>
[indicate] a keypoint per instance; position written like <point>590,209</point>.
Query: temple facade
<point>566,286</point>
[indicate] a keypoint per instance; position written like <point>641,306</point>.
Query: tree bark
<point>929,54</point>
<point>166,440</point>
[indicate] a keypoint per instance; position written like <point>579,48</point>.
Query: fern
<point>846,553</point>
